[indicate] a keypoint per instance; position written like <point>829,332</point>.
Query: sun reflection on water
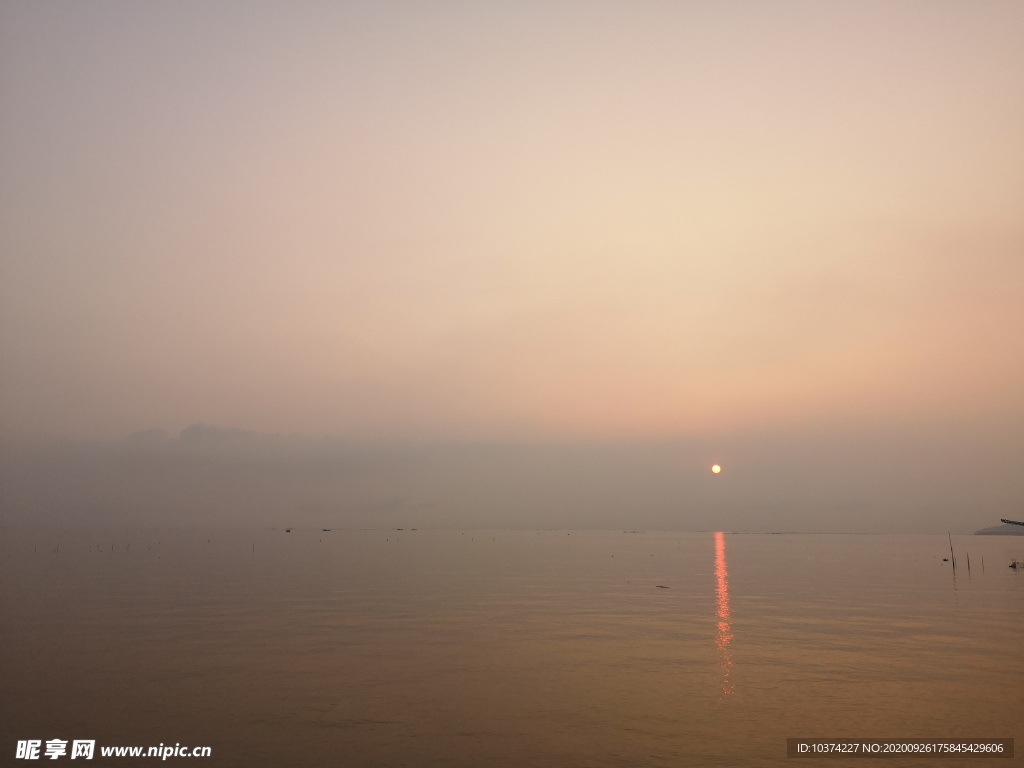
<point>724,638</point>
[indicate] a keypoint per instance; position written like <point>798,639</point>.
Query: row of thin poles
<point>953,556</point>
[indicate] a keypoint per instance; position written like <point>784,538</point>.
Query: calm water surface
<point>551,648</point>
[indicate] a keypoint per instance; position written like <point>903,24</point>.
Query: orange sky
<point>510,220</point>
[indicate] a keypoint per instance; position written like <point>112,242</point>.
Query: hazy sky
<point>511,220</point>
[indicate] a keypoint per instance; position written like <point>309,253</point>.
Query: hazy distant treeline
<point>211,476</point>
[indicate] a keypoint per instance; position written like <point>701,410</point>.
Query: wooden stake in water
<point>968,562</point>
<point>951,550</point>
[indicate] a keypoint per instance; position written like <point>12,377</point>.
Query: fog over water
<point>208,476</point>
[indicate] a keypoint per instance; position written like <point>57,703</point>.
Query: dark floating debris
<point>659,586</point>
<point>327,529</point>
<point>287,530</point>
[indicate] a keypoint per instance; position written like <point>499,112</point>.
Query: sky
<point>512,223</point>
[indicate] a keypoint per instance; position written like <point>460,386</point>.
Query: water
<point>475,648</point>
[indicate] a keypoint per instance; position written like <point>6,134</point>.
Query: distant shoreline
<point>1001,530</point>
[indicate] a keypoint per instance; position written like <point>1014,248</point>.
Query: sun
<point>716,469</point>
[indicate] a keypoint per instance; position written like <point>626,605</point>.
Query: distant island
<point>1006,529</point>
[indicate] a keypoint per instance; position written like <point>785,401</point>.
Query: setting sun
<point>716,469</point>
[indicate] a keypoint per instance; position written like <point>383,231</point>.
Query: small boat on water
<point>1017,564</point>
<point>1010,522</point>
